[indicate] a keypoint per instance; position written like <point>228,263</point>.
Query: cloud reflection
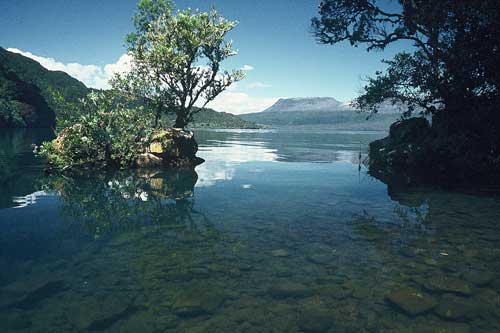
<point>222,157</point>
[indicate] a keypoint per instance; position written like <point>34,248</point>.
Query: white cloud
<point>239,102</point>
<point>254,85</point>
<point>247,68</point>
<point>92,75</point>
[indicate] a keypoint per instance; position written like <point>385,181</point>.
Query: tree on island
<point>175,68</point>
<point>450,72</point>
<point>176,59</point>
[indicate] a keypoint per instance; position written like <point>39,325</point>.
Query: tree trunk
<point>182,120</point>
<point>158,116</point>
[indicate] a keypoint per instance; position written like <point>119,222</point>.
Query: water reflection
<point>222,158</point>
<point>224,150</point>
<point>318,145</point>
<point>19,169</point>
<point>106,203</point>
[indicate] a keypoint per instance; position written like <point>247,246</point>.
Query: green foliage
<point>456,49</point>
<point>177,59</point>
<point>68,112</point>
<point>108,133</point>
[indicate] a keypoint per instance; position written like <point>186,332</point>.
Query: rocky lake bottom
<point>278,231</point>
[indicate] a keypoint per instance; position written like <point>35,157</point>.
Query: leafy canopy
<point>177,59</point>
<point>456,48</point>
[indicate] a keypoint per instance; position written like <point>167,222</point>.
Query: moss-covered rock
<point>175,147</point>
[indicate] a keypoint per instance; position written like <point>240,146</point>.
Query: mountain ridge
<point>295,104</point>
<point>307,104</point>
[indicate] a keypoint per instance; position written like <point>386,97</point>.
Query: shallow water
<point>278,231</point>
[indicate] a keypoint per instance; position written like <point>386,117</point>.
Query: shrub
<point>108,133</point>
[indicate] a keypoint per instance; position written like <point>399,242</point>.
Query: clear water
<point>279,231</point>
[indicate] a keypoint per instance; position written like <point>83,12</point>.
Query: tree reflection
<point>106,203</point>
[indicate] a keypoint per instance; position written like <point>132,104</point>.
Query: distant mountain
<point>306,104</point>
<point>324,111</point>
<point>341,120</point>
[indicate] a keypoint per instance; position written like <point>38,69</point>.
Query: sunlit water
<point>278,231</point>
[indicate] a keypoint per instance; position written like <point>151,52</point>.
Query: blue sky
<point>273,38</point>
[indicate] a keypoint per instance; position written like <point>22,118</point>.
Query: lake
<point>278,231</point>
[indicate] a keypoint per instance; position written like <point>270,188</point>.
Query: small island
<point>175,69</point>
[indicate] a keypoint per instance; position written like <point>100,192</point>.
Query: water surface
<point>278,231</point>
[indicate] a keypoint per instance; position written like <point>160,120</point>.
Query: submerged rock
<point>321,258</point>
<point>99,313</point>
<point>279,253</point>
<point>412,301</point>
<point>289,289</point>
<point>454,308</point>
<point>448,284</point>
<point>315,319</point>
<point>29,294</point>
<point>434,327</point>
<point>479,278</point>
<point>198,300</point>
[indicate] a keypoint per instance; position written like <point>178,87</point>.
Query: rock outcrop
<point>401,153</point>
<point>170,147</point>
<point>457,150</point>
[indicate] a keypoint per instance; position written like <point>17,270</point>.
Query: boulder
<point>175,147</point>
